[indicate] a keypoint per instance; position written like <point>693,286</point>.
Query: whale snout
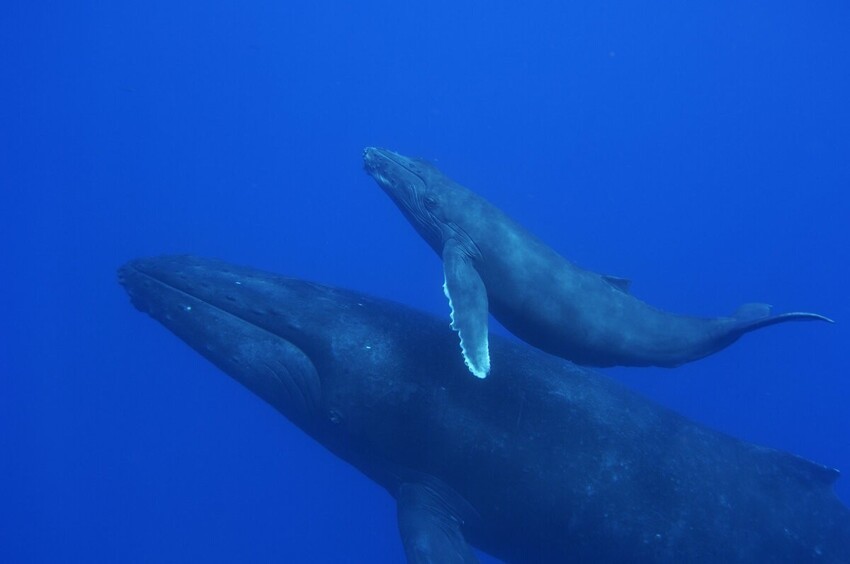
<point>369,158</point>
<point>373,159</point>
<point>384,167</point>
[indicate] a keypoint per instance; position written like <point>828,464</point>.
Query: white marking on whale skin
<point>483,354</point>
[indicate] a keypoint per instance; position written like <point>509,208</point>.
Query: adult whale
<point>492,264</point>
<point>542,462</point>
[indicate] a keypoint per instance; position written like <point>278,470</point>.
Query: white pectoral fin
<point>468,301</point>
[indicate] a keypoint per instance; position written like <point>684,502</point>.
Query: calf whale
<point>544,462</point>
<point>493,265</point>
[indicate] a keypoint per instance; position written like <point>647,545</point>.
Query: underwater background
<point>701,149</point>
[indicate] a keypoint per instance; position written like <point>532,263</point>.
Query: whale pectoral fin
<point>429,527</point>
<point>469,310</point>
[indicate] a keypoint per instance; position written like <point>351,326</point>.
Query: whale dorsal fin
<point>802,469</point>
<point>622,284</point>
<point>430,525</point>
<point>753,311</point>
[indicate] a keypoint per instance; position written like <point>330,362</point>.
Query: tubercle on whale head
<point>417,183</point>
<point>395,168</point>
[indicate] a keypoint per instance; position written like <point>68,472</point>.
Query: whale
<point>491,264</point>
<point>545,461</point>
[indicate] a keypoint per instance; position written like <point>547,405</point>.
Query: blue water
<point>701,150</point>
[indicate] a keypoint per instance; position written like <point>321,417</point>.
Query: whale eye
<point>430,203</point>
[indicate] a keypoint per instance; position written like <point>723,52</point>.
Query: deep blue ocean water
<point>701,150</point>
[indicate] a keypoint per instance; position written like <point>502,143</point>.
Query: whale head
<point>418,188</point>
<point>327,359</point>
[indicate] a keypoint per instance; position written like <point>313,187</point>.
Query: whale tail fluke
<point>755,316</point>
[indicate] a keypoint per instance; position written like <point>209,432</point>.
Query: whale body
<point>544,461</point>
<point>493,265</point>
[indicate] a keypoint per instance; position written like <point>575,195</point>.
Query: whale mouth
<point>379,163</point>
<point>383,161</point>
<point>375,163</point>
<point>387,168</point>
<point>372,156</point>
<point>246,322</point>
<point>405,181</point>
<point>399,176</point>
